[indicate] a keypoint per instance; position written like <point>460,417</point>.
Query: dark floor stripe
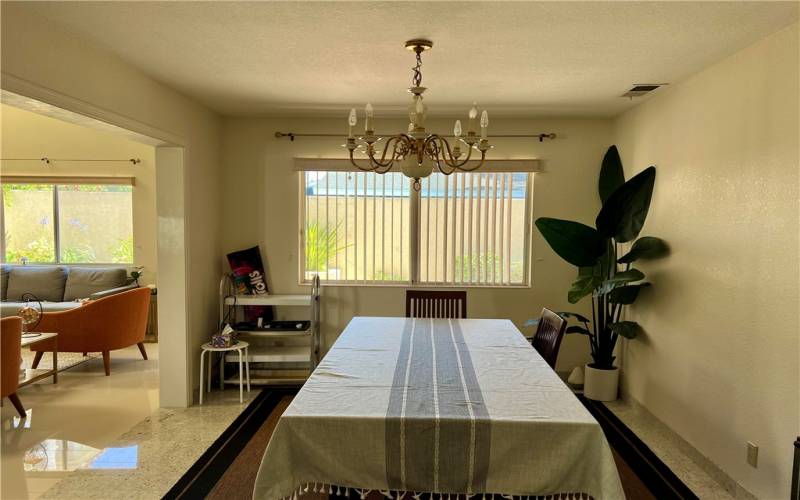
<point>654,473</point>
<point>201,477</point>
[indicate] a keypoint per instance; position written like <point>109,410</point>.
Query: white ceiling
<point>535,58</point>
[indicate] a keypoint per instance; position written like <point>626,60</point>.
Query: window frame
<point>54,182</point>
<point>303,166</point>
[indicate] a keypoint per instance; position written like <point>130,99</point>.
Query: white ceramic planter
<point>601,385</point>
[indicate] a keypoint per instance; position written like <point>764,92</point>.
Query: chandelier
<point>418,151</point>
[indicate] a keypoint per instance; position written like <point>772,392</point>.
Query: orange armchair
<point>102,325</point>
<point>11,354</point>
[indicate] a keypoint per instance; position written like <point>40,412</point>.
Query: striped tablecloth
<point>459,407</point>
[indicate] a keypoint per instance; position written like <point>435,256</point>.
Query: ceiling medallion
<point>417,151</point>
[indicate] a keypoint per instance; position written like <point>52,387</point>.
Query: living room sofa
<point>59,287</point>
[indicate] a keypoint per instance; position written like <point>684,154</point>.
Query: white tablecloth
<point>446,406</point>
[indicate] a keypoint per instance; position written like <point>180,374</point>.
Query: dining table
<point>454,408</point>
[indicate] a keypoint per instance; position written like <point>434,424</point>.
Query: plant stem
<point>593,339</point>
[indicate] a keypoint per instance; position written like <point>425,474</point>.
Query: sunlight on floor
<point>92,436</point>
<point>71,425</point>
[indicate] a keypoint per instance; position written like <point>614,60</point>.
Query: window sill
<point>417,285</point>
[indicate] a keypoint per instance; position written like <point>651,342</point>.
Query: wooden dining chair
<point>436,304</point>
<point>549,333</point>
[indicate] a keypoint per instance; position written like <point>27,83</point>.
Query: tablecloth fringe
<point>361,494</point>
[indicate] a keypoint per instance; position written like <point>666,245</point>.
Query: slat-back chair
<point>436,304</point>
<point>548,336</point>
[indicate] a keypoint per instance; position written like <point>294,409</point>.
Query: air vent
<point>640,89</point>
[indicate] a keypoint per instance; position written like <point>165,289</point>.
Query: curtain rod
<point>46,159</point>
<point>292,135</point>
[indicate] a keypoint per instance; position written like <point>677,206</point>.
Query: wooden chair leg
<point>107,362</point>
<point>17,404</point>
<point>141,350</point>
<point>37,357</point>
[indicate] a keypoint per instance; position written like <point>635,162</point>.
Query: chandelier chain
<point>417,79</point>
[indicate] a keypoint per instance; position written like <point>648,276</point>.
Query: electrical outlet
<point>752,454</point>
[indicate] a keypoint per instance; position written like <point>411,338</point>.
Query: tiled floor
<point>92,436</point>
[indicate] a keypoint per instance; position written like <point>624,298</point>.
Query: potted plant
<point>605,274</point>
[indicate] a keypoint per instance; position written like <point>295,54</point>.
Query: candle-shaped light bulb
<point>484,123</point>
<point>457,129</point>
<point>351,122</point>
<point>368,120</point>
<point>473,114</point>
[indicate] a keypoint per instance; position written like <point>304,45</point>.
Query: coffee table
<point>34,374</point>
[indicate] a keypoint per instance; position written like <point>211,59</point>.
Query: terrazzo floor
<point>92,436</point>
<point>697,472</point>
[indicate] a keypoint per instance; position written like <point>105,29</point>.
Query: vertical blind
<point>468,228</point>
<point>473,228</point>
<point>355,226</point>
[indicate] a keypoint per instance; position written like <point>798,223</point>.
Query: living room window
<point>69,221</point>
<point>465,229</point>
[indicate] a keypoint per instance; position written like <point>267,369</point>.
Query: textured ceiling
<point>534,58</point>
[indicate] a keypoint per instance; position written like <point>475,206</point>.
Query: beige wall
<point>30,135</point>
<point>719,361</point>
<point>261,207</point>
<point>39,52</point>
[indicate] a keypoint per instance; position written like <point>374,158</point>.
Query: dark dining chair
<point>549,333</point>
<point>436,304</point>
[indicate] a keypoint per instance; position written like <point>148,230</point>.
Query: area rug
<point>66,360</point>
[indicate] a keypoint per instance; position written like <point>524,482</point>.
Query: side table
<point>240,346</point>
<point>31,374</point>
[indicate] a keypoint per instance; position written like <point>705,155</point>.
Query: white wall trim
<point>106,119</point>
<point>171,207</point>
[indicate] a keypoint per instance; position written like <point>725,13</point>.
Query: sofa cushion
<point>84,281</point>
<point>12,308</point>
<point>45,282</point>
<point>5,270</point>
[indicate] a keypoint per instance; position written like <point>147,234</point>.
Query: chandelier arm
<point>440,157</point>
<point>383,153</point>
<point>396,140</point>
<point>477,166</point>
<point>363,169</point>
<point>452,162</point>
<point>382,163</point>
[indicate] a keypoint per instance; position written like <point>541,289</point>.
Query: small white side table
<point>242,347</point>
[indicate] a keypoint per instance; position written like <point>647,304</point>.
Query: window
<point>462,229</point>
<point>69,222</point>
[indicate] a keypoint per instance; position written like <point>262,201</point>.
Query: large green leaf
<point>618,279</point>
<point>646,247</point>
<point>577,316</point>
<point>625,210</point>
<point>577,243</point>
<point>626,294</point>
<point>611,174</point>
<point>627,329</point>
<point>582,287</point>
<point>578,329</point>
